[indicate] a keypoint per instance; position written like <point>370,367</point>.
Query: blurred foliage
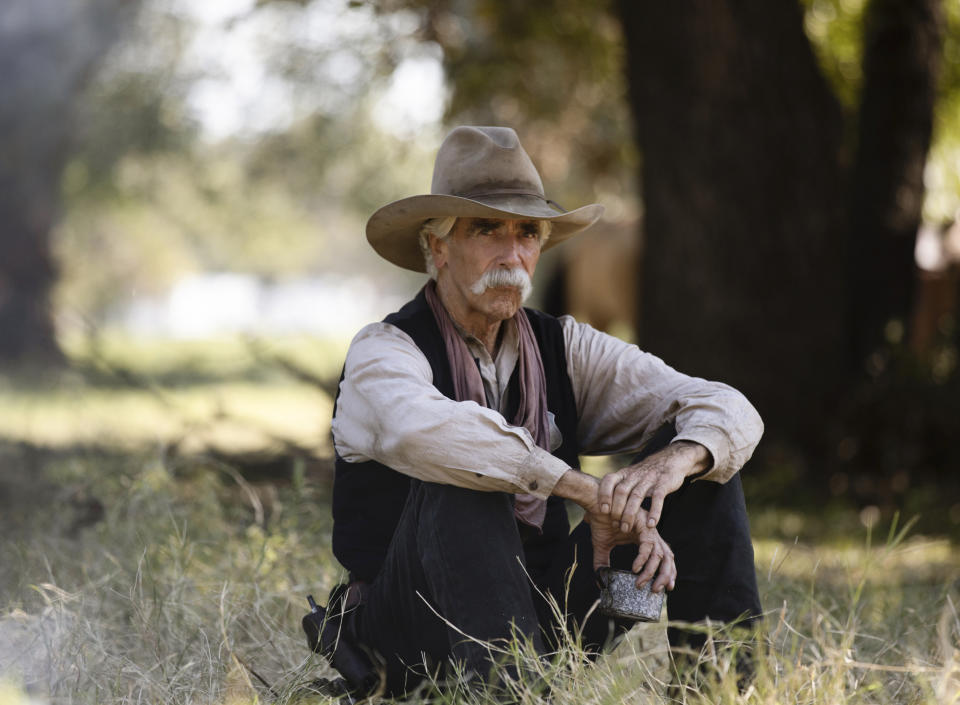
<point>835,29</point>
<point>286,204</point>
<point>342,163</point>
<point>152,196</point>
<point>943,165</point>
<point>171,214</point>
<point>136,105</point>
<point>553,71</point>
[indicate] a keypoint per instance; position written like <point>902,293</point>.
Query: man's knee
<point>469,538</point>
<point>458,507</point>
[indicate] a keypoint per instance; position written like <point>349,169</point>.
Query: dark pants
<point>460,554</point>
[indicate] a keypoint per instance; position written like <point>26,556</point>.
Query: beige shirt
<point>389,411</point>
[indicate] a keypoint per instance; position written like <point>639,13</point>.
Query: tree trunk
<point>48,49</point>
<point>26,277</point>
<point>902,44</point>
<point>740,141</point>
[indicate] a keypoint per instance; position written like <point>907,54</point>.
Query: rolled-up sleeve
<point>389,411</point>
<point>625,395</point>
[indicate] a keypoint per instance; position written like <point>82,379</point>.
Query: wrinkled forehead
<point>471,225</point>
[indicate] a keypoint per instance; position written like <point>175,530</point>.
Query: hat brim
<point>394,230</point>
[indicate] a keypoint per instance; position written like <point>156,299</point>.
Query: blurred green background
<point>183,190</point>
<point>179,172</point>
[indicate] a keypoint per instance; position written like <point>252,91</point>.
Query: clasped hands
<point>616,516</point>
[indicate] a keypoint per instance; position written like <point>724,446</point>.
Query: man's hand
<point>654,557</point>
<point>622,492</point>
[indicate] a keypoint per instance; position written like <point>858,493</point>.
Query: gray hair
<point>441,228</point>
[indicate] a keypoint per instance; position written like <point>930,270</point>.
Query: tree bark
<point>902,46</point>
<point>740,140</point>
<point>48,49</point>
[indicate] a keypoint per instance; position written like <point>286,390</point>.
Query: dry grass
<point>145,577</point>
<point>178,590</point>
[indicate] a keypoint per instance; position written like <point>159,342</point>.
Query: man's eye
<point>530,233</point>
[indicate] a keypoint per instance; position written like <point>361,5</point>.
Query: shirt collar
<point>495,371</point>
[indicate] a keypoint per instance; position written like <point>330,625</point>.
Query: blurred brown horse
<point>597,279</point>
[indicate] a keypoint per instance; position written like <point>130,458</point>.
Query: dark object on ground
<point>620,597</point>
<point>330,633</point>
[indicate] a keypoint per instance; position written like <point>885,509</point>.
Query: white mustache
<point>497,277</point>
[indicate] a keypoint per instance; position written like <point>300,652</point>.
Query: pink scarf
<point>468,386</point>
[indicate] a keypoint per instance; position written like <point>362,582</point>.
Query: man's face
<point>479,246</point>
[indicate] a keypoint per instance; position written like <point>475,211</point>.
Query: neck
<point>484,328</point>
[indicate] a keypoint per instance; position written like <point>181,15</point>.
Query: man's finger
<point>644,551</point>
<point>656,507</point>
<point>671,560</point>
<point>664,575</point>
<point>605,493</point>
<point>650,568</point>
<point>621,494</point>
<point>640,524</point>
<point>633,511</point>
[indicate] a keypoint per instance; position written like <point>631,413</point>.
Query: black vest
<point>368,497</point>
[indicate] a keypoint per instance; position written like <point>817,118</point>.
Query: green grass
<point>233,395</point>
<point>130,573</point>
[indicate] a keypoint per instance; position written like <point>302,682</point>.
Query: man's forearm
<point>578,487</point>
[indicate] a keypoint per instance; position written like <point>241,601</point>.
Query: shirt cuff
<point>540,473</point>
<point>716,443</point>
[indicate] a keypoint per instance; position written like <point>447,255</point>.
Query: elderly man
<point>459,423</point>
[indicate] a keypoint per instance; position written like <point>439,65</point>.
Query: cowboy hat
<point>480,172</point>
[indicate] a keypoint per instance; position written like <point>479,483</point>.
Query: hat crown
<point>474,161</point>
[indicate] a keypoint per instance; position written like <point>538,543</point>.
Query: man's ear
<point>439,249</point>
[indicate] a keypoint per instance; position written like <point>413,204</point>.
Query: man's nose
<point>510,254</point>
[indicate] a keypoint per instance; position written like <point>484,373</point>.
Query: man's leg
<point>706,526</point>
<point>457,551</point>
<point>568,576</point>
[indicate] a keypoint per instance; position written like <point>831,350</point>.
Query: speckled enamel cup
<point>620,597</point>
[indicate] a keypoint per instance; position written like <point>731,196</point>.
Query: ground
<point>165,513</point>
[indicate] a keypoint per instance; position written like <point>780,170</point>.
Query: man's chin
<point>501,302</point>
